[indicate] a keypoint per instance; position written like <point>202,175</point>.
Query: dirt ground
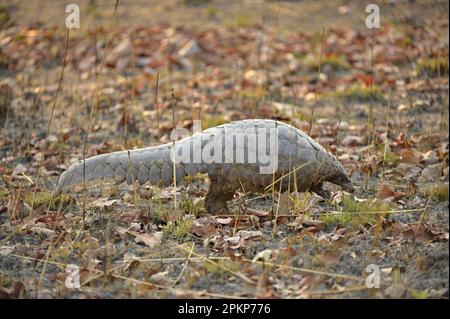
<point>220,61</point>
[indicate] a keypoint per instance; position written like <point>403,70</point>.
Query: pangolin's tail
<point>151,164</point>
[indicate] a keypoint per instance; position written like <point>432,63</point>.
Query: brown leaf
<point>353,140</point>
<point>329,257</point>
<point>265,255</point>
<point>198,229</point>
<point>422,234</point>
<point>89,258</point>
<point>103,203</point>
<point>224,221</point>
<point>430,173</point>
<point>250,234</point>
<point>107,250</point>
<point>385,192</point>
<point>400,227</point>
<point>430,158</point>
<point>263,287</point>
<point>17,208</point>
<point>409,156</point>
<point>14,292</point>
<point>284,204</point>
<point>43,231</point>
<point>160,278</point>
<point>151,240</point>
<point>258,213</point>
<point>282,220</point>
<point>314,223</point>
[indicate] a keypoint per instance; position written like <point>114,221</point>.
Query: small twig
<point>374,212</point>
<point>292,171</point>
<point>91,113</point>
<point>274,171</point>
<point>335,291</point>
<point>184,266</point>
<point>274,227</point>
<point>370,118</point>
<point>370,121</point>
<point>316,91</point>
<point>174,164</point>
<point>387,138</point>
<point>49,125</point>
<point>156,100</point>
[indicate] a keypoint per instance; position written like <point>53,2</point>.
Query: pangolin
<point>227,154</point>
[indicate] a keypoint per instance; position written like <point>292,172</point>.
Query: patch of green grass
<point>134,142</point>
<point>433,66</point>
<point>6,280</point>
<point>336,62</point>
<point>60,146</point>
<point>360,93</point>
<point>195,2</point>
<point>351,205</point>
<point>255,93</point>
<point>178,229</point>
<point>300,56</point>
<point>437,192</point>
<point>158,213</point>
<point>3,193</point>
<point>213,121</point>
<point>355,212</point>
<point>45,199</point>
<point>5,17</point>
<point>301,204</point>
<point>416,294</point>
<point>67,249</point>
<point>241,21</point>
<point>405,41</point>
<point>391,159</point>
<point>189,206</point>
<point>212,11</point>
<point>5,98</point>
<point>221,267</point>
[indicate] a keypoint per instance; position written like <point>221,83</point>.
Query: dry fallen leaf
<point>422,234</point>
<point>258,213</point>
<point>263,287</point>
<point>198,229</point>
<point>250,234</point>
<point>160,278</point>
<point>329,257</point>
<point>386,192</point>
<point>224,221</point>
<point>151,240</point>
<point>265,255</point>
<point>409,156</point>
<point>430,158</point>
<point>43,231</point>
<point>351,140</point>
<point>430,173</point>
<point>107,250</point>
<point>103,202</point>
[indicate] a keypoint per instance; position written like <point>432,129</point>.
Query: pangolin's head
<point>339,177</point>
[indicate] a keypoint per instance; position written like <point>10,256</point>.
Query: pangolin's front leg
<point>217,196</point>
<point>321,191</point>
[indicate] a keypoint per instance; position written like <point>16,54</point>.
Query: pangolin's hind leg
<point>217,196</point>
